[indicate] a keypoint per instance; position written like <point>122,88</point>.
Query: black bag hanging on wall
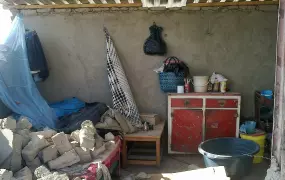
<point>154,44</point>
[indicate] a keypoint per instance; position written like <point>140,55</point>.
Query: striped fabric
<point>121,93</point>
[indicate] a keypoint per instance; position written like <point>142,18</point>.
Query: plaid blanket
<point>121,92</point>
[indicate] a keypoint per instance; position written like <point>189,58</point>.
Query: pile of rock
<point>43,151</point>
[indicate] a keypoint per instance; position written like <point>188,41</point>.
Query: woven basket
<point>169,81</point>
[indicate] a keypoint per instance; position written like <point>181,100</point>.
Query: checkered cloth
<point>121,93</point>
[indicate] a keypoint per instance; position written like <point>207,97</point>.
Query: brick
<point>82,10</point>
<point>143,8</point>
<point>86,139</point>
<point>110,145</point>
<point>210,8</point>
<point>29,12</point>
<point>60,11</point>
<point>109,137</point>
<point>99,141</point>
<point>268,7</point>
<point>16,159</point>
<point>34,164</point>
<point>7,163</point>
<point>8,123</point>
<point>100,9</point>
<point>115,9</point>
<point>223,9</point>
<point>157,8</point>
<point>25,133</point>
<point>247,7</point>
<point>133,9</point>
<point>55,176</point>
<point>61,142</point>
<point>46,133</point>
<point>83,154</point>
<point>191,8</point>
<point>124,9</point>
<point>23,123</point>
<point>74,144</point>
<point>67,159</point>
<point>75,135</point>
<point>41,171</point>
<point>5,174</point>
<point>44,10</point>
<point>232,7</point>
<point>36,144</point>
<point>6,139</point>
<point>96,152</point>
<point>175,9</point>
<point>24,174</point>
<point>49,153</point>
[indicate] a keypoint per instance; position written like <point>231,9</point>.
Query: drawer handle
<point>186,103</point>
<point>222,103</point>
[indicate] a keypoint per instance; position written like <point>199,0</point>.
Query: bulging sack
<point>154,44</point>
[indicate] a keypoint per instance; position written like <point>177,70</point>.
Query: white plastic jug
<point>200,83</point>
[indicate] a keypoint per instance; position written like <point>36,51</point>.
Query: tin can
<point>186,87</point>
<point>216,87</point>
<point>223,86</point>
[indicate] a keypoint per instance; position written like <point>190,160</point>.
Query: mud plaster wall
<point>238,42</point>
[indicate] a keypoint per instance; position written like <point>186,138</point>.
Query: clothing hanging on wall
<point>36,57</point>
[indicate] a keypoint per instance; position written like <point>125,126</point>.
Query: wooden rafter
<point>59,4</point>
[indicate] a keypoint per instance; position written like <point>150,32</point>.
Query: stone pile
<point>34,155</point>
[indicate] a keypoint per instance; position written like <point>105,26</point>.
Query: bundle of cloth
<point>114,120</point>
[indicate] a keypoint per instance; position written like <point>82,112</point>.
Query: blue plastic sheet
<point>67,106</point>
<point>248,127</point>
<point>17,88</point>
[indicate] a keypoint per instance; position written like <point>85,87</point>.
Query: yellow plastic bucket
<point>259,138</point>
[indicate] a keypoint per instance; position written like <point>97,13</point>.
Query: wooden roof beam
<point>65,6</point>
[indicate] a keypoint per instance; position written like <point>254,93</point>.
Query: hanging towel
<point>121,92</point>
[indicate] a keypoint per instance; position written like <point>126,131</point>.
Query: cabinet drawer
<point>221,103</point>
<point>187,102</point>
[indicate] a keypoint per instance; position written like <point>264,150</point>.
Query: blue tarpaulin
<point>67,106</point>
<point>18,90</point>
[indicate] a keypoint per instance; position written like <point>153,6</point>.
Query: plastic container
<point>258,137</point>
<point>250,127</point>
<point>267,93</point>
<point>235,154</point>
<point>200,83</point>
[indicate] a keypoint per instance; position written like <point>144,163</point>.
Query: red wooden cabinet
<point>195,117</point>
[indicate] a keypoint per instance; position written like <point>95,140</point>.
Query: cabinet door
<point>186,132</point>
<point>220,123</point>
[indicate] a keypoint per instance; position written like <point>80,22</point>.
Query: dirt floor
<point>179,163</point>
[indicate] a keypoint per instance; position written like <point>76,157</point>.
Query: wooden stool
<point>144,136</point>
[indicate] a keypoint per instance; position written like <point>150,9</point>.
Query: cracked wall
<point>238,42</point>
